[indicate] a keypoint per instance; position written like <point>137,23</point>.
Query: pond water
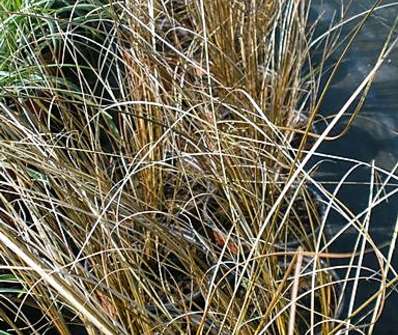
<point>373,136</point>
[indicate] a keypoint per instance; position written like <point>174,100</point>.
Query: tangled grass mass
<point>158,164</point>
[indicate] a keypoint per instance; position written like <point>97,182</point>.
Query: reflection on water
<point>374,135</point>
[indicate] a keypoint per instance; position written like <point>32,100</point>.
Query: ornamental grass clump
<point>153,176</point>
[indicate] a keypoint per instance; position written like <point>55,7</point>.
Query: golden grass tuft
<point>154,180</point>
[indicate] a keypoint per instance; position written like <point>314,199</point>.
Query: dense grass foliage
<point>154,172</point>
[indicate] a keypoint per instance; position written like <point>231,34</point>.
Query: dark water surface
<point>374,135</point>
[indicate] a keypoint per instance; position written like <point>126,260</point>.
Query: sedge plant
<point>153,172</point>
